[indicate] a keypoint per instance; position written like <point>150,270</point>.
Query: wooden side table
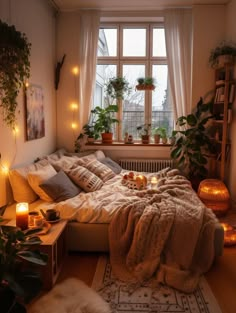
<point>54,245</point>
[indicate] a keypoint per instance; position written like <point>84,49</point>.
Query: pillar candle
<point>22,214</point>
<point>154,182</point>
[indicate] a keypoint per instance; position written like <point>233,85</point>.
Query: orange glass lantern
<point>214,195</point>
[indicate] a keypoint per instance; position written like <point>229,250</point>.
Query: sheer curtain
<point>178,33</point>
<point>89,31</point>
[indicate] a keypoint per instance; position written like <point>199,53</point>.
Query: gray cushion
<point>60,187</point>
<point>115,167</point>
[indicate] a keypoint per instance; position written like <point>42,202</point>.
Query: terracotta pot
<point>157,138</point>
<point>145,139</point>
<point>107,137</point>
<point>90,140</point>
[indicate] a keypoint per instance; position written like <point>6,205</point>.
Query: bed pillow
<point>60,187</point>
<point>115,167</point>
<point>35,178</point>
<point>85,179</point>
<point>21,189</point>
<point>64,163</point>
<point>96,167</point>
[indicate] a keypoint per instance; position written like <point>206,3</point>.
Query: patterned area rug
<point>125,298</point>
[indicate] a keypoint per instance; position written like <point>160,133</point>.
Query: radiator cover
<point>145,165</point>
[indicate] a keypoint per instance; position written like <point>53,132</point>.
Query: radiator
<point>145,165</point>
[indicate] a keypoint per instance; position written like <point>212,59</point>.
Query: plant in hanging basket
<point>225,52</point>
<point>14,69</point>
<point>147,83</point>
<point>117,87</point>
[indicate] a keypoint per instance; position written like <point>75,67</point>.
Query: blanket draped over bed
<point>167,234</point>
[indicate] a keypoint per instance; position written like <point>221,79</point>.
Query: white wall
<point>67,93</point>
<point>208,31</point>
<point>36,19</point>
<point>231,35</point>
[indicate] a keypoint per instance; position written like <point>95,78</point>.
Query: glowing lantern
<point>214,195</point>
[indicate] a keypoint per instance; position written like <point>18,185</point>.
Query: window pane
<point>134,42</point>
<point>107,43</point>
<point>159,43</point>
<point>103,73</point>
<point>162,114</point>
<point>133,104</point>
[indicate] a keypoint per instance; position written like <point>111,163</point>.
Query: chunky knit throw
<point>168,234</point>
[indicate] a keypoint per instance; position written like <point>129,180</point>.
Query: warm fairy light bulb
<point>16,130</point>
<point>73,125</point>
<point>75,70</point>
<point>74,106</point>
<point>4,169</point>
<point>26,84</point>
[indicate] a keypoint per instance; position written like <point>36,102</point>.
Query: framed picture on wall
<point>34,109</point>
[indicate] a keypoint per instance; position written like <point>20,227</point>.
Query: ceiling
<point>134,5</point>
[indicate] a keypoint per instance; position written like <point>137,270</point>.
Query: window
<point>133,51</point>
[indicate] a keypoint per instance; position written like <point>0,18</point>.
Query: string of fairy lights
<point>74,105</point>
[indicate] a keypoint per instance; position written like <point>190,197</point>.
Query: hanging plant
<point>14,69</point>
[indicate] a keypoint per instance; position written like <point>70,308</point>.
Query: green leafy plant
<point>104,118</point>
<point>160,131</point>
<point>14,69</point>
<point>192,145</point>
<point>19,283</point>
<point>117,87</point>
<point>224,48</point>
<point>144,130</point>
<point>145,83</point>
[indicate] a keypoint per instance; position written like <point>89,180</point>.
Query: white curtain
<point>89,31</point>
<point>178,33</point>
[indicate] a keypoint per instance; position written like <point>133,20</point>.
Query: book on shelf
<point>231,93</point>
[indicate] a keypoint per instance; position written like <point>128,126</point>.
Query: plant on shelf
<point>104,120</point>
<point>144,132</point>
<point>145,83</point>
<point>19,283</point>
<point>192,144</point>
<point>223,53</point>
<point>160,133</point>
<point>14,69</point>
<point>117,87</point>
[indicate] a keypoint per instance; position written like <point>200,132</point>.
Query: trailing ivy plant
<point>14,69</point>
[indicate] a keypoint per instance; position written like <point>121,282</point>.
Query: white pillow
<point>22,191</point>
<point>35,178</point>
<point>64,163</point>
<point>85,179</point>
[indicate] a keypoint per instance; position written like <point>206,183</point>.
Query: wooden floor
<point>221,277</point>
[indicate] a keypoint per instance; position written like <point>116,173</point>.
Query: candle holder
<point>154,182</point>
<point>22,215</point>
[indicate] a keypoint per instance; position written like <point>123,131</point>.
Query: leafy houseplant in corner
<point>224,53</point>
<point>19,283</point>
<point>104,120</point>
<point>14,69</point>
<point>192,144</point>
<point>144,133</point>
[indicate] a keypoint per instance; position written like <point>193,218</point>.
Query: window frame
<point>119,60</point>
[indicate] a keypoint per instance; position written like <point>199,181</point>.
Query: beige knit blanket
<point>168,234</point>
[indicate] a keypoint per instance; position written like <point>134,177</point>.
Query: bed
<point>89,192</point>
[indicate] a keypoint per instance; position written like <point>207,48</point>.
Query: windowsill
<point>117,143</point>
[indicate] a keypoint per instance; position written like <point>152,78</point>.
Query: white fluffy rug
<point>151,297</point>
<point>70,296</point>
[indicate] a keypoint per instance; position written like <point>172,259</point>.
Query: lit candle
<point>154,182</point>
<point>22,213</point>
<point>226,226</point>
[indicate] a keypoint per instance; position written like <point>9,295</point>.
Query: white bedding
<point>98,206</point>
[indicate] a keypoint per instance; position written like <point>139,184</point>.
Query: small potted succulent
<point>160,133</point>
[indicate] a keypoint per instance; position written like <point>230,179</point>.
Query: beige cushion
<point>35,178</point>
<point>64,163</point>
<point>22,191</point>
<point>85,179</point>
<point>97,168</point>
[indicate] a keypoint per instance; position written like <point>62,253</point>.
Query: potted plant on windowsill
<point>192,144</point>
<point>104,120</point>
<point>224,53</point>
<point>19,283</point>
<point>144,133</point>
<point>90,132</point>
<point>160,133</point>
